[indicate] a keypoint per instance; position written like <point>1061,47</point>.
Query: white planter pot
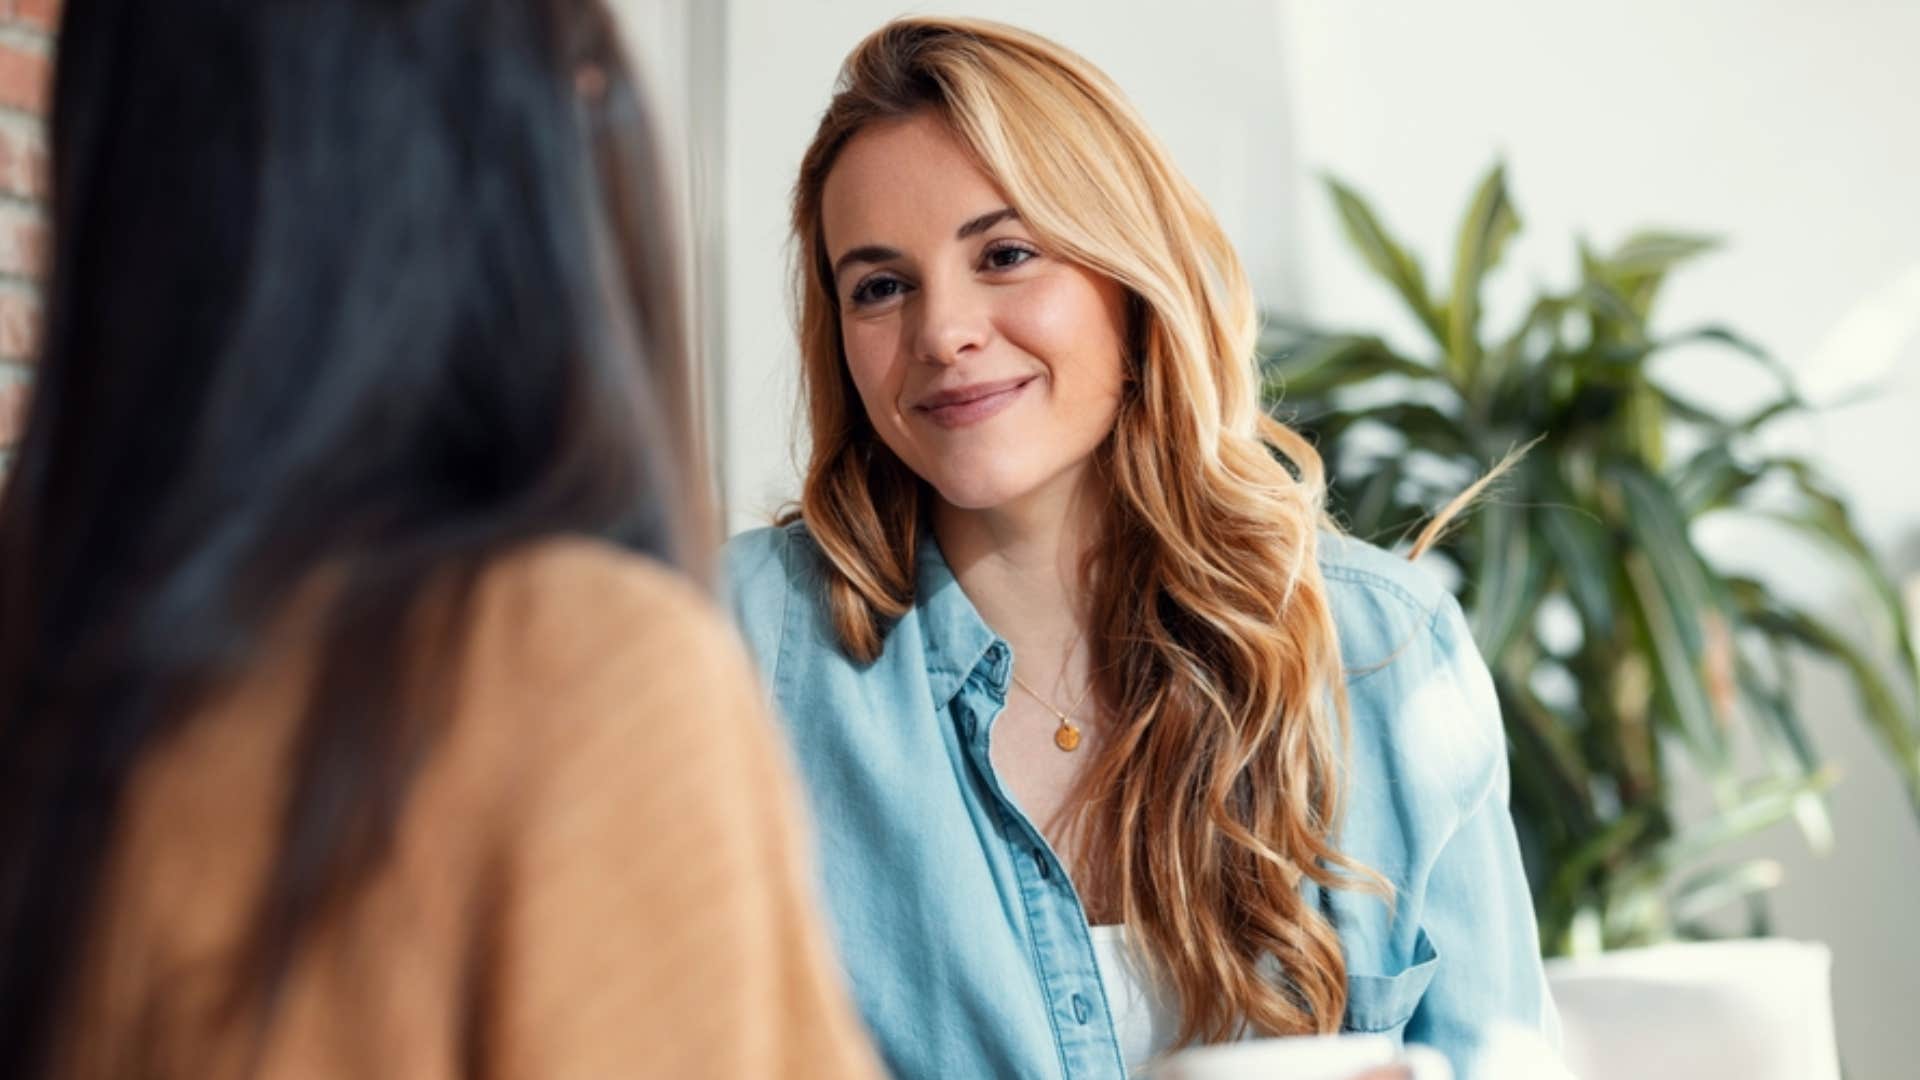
<point>1752,1010</point>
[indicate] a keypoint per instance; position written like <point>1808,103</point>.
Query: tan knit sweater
<point>600,871</point>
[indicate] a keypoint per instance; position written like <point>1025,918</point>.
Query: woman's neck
<point>1020,564</point>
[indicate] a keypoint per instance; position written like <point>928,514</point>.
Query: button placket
<point>1088,1050</point>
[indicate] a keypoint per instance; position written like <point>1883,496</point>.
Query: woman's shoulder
<point>775,581</point>
<point>567,618</point>
<point>1367,582</point>
<point>771,559</point>
<point>1388,611</point>
<point>1422,705</point>
<point>586,666</point>
<point>581,587</point>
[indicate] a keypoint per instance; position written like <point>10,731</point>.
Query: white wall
<point>677,47</point>
<point>1789,127</point>
<point>1204,75</point>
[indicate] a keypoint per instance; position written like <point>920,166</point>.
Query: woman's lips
<point>972,404</point>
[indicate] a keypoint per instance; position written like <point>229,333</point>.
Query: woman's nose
<point>953,321</point>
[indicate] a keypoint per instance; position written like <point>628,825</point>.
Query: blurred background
<point>1784,129</point>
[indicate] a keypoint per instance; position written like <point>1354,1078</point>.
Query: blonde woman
<point>1115,746</point>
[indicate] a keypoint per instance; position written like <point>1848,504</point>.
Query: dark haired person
<point>355,719</point>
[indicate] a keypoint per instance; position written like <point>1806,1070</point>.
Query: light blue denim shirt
<point>964,940</point>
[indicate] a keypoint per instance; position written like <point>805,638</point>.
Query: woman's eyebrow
<point>869,254</point>
<point>987,221</point>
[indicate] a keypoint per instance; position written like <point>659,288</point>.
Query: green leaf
<point>1783,740</point>
<point>1308,369</point>
<point>1509,576</point>
<point>1669,632</point>
<point>1646,424</point>
<point>1653,251</point>
<point>1395,265</point>
<point>1614,365</point>
<point>1709,891</point>
<point>1370,512</point>
<point>1761,806</point>
<point>1612,317</point>
<point>1552,790</point>
<point>1887,715</point>
<point>1670,592</point>
<point>1545,315</point>
<point>1656,520</point>
<point>1827,519</point>
<point>1614,842</point>
<point>1709,479</point>
<point>1550,731</point>
<point>1490,223</point>
<point>1766,414</point>
<point>1682,409</point>
<point>1714,334</point>
<point>1636,909</point>
<point>1639,266</point>
<point>1582,550</point>
<point>1417,425</point>
<point>1722,428</point>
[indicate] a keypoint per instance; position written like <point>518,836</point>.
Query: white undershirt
<point>1144,1019</point>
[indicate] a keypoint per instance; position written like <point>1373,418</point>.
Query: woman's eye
<point>1008,256</point>
<point>875,290</point>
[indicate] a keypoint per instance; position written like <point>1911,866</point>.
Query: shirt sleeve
<point>1489,1001</point>
<point>656,916</point>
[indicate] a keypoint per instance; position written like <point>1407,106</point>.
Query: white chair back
<point>1738,1010</point>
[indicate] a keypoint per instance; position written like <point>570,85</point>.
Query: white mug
<point>1306,1057</point>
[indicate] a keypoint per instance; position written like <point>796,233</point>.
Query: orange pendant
<point>1067,737</point>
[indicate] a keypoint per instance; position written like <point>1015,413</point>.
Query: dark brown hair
<point>375,287</point>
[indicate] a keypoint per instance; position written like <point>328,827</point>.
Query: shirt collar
<point>957,638</point>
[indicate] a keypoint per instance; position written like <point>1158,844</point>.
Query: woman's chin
<point>978,493</point>
<point>1003,485</point>
<point>969,499</point>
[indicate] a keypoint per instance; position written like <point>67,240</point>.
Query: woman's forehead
<point>902,181</point>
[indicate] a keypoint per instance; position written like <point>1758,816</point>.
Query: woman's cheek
<point>1065,320</point>
<point>872,372</point>
<point>1042,315</point>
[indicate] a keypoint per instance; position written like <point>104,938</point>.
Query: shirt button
<point>1081,1010</point>
<point>1040,864</point>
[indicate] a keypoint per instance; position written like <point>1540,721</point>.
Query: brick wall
<point>26,54</point>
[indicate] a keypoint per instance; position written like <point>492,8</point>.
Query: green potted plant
<point>1619,648</point>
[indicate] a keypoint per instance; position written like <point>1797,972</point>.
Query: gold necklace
<point>1067,735</point>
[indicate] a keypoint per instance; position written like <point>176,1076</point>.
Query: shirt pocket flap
<point>1384,1003</point>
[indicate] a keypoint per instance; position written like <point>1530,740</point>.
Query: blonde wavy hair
<point>1218,791</point>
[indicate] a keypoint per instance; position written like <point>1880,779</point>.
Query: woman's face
<point>988,365</point>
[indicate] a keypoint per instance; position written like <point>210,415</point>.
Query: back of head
<point>369,285</point>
